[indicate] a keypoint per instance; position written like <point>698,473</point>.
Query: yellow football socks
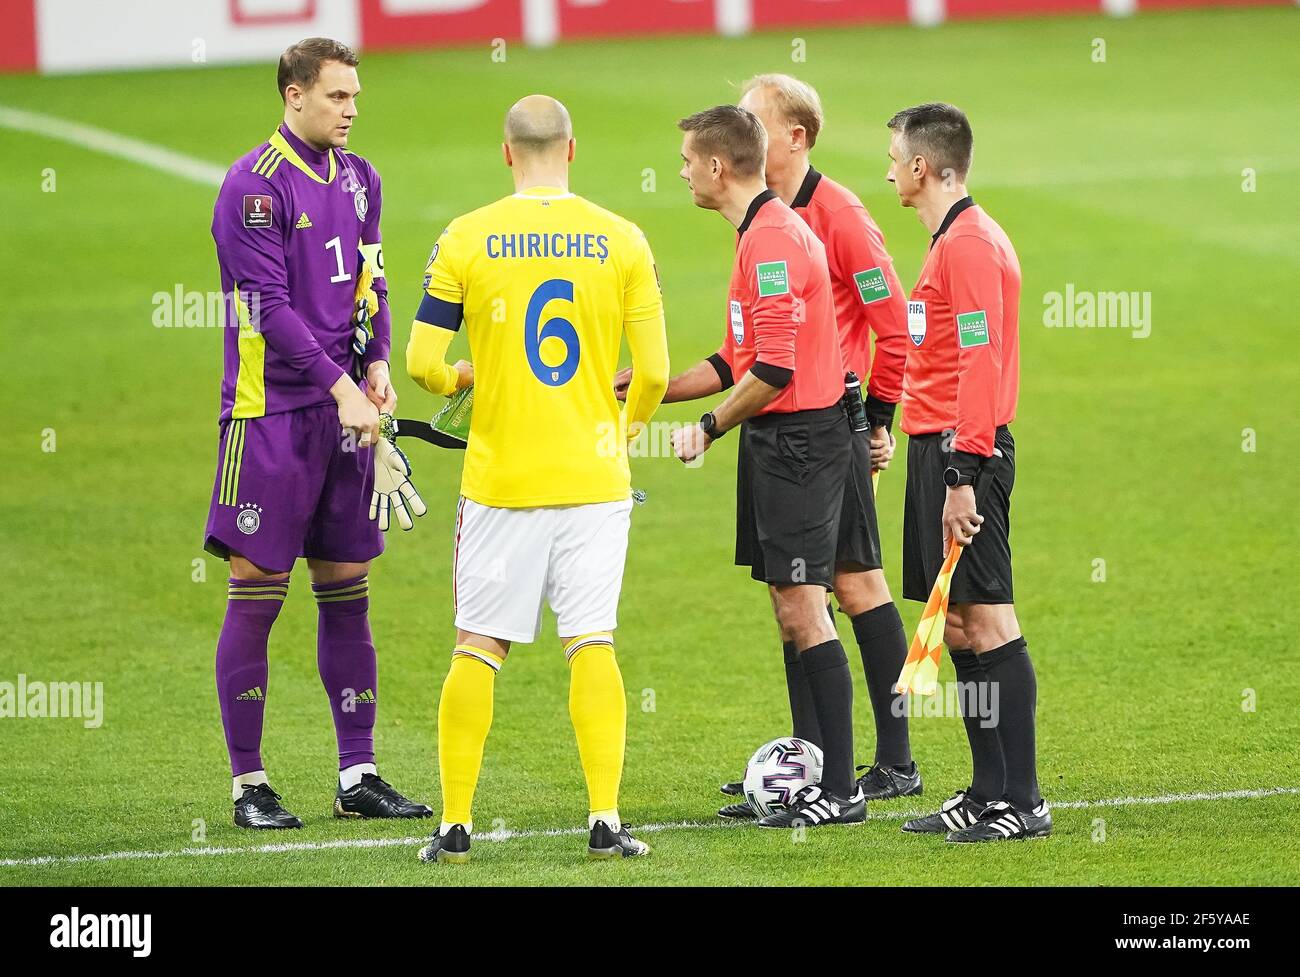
<point>464,718</point>
<point>598,709</point>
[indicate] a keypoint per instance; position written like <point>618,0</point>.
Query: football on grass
<point>778,770</point>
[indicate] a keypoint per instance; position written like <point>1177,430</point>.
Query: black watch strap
<point>709,425</point>
<point>955,477</point>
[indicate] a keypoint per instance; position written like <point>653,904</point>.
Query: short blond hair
<point>796,100</point>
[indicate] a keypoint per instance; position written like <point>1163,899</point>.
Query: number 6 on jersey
<point>557,328</point>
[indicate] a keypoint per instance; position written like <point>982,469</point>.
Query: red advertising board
<point>18,36</point>
<point>958,9</point>
<point>791,13</point>
<point>614,18</point>
<point>438,22</point>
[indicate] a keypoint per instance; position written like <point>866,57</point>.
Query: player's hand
<point>379,387</point>
<point>690,442</point>
<point>882,448</point>
<point>960,520</point>
<point>622,380</point>
<point>356,412</point>
<point>464,374</point>
<point>393,492</point>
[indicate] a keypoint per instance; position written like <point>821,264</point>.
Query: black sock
<point>827,669</point>
<point>1011,671</point>
<point>803,714</point>
<point>987,781</point>
<point>884,649</point>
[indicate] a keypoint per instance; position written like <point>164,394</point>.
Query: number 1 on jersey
<point>555,328</point>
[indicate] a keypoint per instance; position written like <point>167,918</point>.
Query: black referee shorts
<point>983,574</point>
<point>859,540</point>
<point>791,474</point>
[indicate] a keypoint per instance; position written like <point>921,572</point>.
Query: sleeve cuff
<point>724,370</point>
<point>880,413</point>
<point>773,376</point>
<point>966,462</point>
<point>376,352</point>
<point>324,372</point>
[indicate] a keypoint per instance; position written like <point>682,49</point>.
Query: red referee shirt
<point>781,312</point>
<point>868,295</point>
<point>963,319</point>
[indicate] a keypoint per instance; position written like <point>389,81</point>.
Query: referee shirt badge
<point>972,329</point>
<point>872,286</point>
<point>916,322</point>
<point>737,322</point>
<point>773,278</point>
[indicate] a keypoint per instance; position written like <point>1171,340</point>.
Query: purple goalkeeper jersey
<point>293,227</point>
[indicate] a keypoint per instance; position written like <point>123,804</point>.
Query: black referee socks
<point>988,778</point>
<point>827,670</point>
<point>883,644</point>
<point>1010,668</point>
<point>803,714</point>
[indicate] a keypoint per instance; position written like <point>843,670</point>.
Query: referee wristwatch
<point>954,477</point>
<point>709,425</point>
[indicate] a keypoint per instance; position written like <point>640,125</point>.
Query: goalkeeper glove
<point>393,492</point>
<point>367,305</point>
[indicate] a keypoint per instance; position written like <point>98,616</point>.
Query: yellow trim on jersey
<point>234,460</point>
<point>267,153</point>
<point>250,385</point>
<point>286,151</point>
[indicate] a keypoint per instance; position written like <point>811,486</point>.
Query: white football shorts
<point>507,561</point>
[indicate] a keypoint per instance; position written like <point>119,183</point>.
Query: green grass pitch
<point>1171,458</point>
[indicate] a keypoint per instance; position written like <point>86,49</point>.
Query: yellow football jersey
<point>547,283</point>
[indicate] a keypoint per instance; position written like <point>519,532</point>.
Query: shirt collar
<point>302,156</point>
<point>963,204</point>
<point>807,189</point>
<point>544,193</point>
<point>754,206</point>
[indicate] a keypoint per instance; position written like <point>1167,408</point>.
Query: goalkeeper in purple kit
<point>307,465</point>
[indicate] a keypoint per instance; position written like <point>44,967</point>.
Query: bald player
<point>869,303</point>
<point>547,285</point>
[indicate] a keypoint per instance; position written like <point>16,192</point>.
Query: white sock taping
<point>610,818</point>
<point>349,777</point>
<point>251,779</point>
<point>448,825</point>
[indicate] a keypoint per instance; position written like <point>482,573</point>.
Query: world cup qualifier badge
<point>249,518</point>
<point>257,210</point>
<point>360,202</point>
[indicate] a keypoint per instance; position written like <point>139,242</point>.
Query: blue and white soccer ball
<point>778,770</point>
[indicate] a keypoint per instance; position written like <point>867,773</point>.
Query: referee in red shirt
<point>781,359</point>
<point>869,303</point>
<point>959,396</point>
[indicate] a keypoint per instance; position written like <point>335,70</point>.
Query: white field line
<point>113,144</point>
<point>496,836</point>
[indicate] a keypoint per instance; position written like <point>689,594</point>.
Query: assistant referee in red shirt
<point>781,360</point>
<point>960,388</point>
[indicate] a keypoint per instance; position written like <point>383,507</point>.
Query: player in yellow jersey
<point>547,284</point>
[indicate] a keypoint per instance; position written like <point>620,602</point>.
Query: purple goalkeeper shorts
<point>290,485</point>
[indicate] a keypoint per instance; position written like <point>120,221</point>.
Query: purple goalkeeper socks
<point>251,609</point>
<point>345,657</point>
